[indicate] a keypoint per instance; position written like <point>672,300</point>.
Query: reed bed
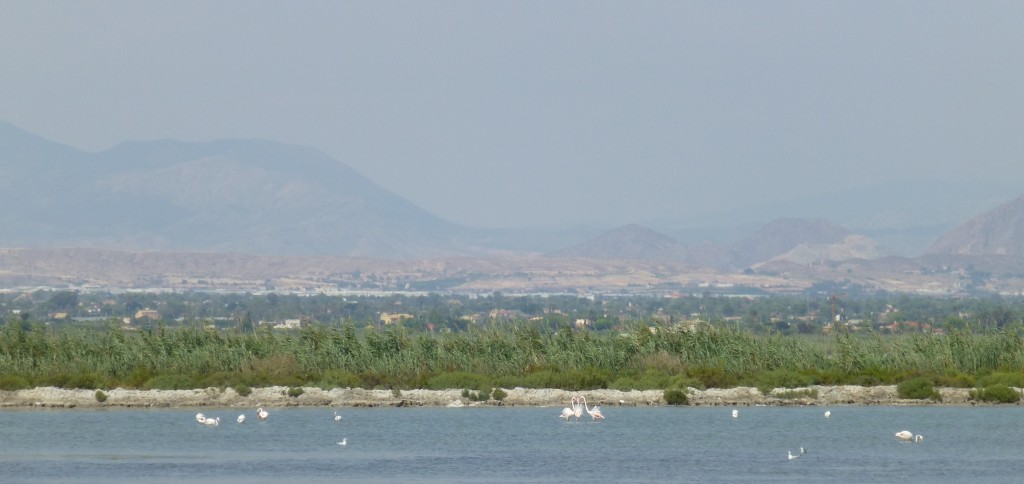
<point>517,355</point>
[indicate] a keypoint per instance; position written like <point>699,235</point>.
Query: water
<point>520,444</point>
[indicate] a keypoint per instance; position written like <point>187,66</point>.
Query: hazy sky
<point>507,114</point>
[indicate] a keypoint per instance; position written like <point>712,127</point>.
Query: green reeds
<point>706,356</point>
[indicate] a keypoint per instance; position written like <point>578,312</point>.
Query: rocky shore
<point>50,397</point>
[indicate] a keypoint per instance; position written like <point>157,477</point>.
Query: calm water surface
<point>520,444</point>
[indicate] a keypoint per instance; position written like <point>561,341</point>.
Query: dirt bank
<point>49,397</point>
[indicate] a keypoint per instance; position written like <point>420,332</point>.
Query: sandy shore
<point>50,397</point>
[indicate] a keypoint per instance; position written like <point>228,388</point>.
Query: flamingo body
<point>262,414</point>
<point>241,418</point>
<point>595,413</point>
<point>572,410</point>
<point>566,413</point>
<point>908,436</point>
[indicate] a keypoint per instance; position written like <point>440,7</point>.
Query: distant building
<point>288,324</point>
<point>147,313</point>
<point>504,314</point>
<point>389,318</point>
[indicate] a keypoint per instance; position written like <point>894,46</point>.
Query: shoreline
<point>52,397</point>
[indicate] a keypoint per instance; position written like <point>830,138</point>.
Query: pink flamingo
<point>570,410</point>
<point>595,413</point>
<point>577,407</point>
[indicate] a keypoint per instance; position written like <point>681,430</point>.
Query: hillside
<point>785,234</point>
<point>252,196</point>
<point>795,240</point>
<point>630,242</point>
<point>999,231</point>
<point>260,215</point>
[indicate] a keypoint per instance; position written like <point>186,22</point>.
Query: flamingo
<point>797,456</point>
<point>344,441</point>
<point>577,408</point>
<point>200,418</point>
<point>212,422</point>
<point>570,410</point>
<point>735,413</point>
<point>595,413</point>
<point>241,418</point>
<point>828,414</point>
<point>262,414</point>
<point>907,436</point>
<point>337,418</point>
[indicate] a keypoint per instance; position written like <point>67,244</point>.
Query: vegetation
<point>675,396</point>
<point>519,354</point>
<point>997,393</point>
<point>101,396</point>
<point>918,388</point>
<point>813,313</point>
<point>13,382</point>
<point>475,396</point>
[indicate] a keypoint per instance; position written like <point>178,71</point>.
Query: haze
<point>518,114</point>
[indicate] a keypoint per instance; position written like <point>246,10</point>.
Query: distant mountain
<point>999,231</point>
<point>852,246</point>
<point>799,241</point>
<point>251,196</point>
<point>631,242</point>
<point>783,235</point>
<point>266,198</point>
<point>904,216</point>
<point>634,242</point>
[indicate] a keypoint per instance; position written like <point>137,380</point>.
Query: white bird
<point>828,414</point>
<point>344,441</point>
<point>735,413</point>
<point>595,413</point>
<point>566,413</point>
<point>337,418</point>
<point>262,414</point>
<point>569,411</point>
<point>200,418</point>
<point>212,422</point>
<point>907,436</point>
<point>797,456</point>
<point>241,418</point>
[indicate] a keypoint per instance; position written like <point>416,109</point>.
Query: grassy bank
<point>519,355</point>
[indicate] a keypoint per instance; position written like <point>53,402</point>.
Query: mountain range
<point>265,198</point>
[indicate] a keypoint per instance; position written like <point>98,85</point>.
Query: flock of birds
<point>903,435</point>
<point>261,415</point>
<point>577,405</point>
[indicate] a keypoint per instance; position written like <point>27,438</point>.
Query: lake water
<point>514,444</point>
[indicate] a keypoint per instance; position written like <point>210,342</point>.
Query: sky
<point>544,113</point>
